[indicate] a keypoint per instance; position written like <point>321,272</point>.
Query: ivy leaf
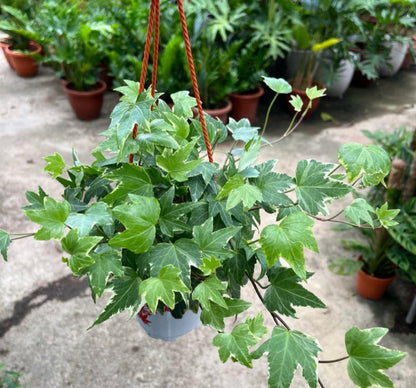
<point>287,240</point>
<point>52,218</point>
<point>212,243</point>
<point>176,164</point>
<point>4,243</point>
<point>314,188</point>
<point>97,214</point>
<point>210,290</point>
<point>107,261</point>
<point>215,314</point>
<point>367,359</point>
<point>182,254</point>
<point>359,210</point>
<point>242,130</point>
<point>79,249</point>
<point>286,349</point>
<point>125,296</point>
<point>55,165</point>
<point>36,201</point>
<point>370,161</point>
<point>139,219</point>
<point>236,344</point>
<point>386,216</point>
<point>278,85</point>
<point>250,154</point>
<point>209,265</point>
<point>183,103</point>
<point>256,326</point>
<point>162,288</point>
<point>170,214</point>
<point>314,93</point>
<point>205,169</point>
<point>284,291</point>
<point>296,102</point>
<point>133,180</point>
<point>272,185</point>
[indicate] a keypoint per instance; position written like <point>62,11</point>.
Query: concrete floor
<point>45,312</point>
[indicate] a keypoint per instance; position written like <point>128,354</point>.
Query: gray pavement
<point>45,312</point>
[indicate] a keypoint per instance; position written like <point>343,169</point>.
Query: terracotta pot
<point>221,113</point>
<point>245,104</point>
<point>370,287</point>
<point>3,46</point>
<point>305,99</point>
<point>24,65</point>
<point>86,104</point>
<point>165,326</point>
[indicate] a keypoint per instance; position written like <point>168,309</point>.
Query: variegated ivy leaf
<point>213,242</point>
<point>250,154</point>
<point>52,218</point>
<point>79,248</point>
<point>4,243</point>
<point>367,359</point>
<point>315,188</point>
<point>96,214</point>
<point>296,102</point>
<point>55,166</point>
<point>287,241</point>
<point>132,180</point>
<point>278,85</point>
<point>209,292</point>
<point>125,296</point>
<point>359,211</point>
<point>183,103</point>
<point>176,164</point>
<point>240,191</point>
<point>370,162</point>
<point>181,254</point>
<point>386,216</point>
<point>314,93</point>
<point>139,218</point>
<point>285,292</point>
<point>286,349</point>
<point>162,288</point>
<point>242,130</point>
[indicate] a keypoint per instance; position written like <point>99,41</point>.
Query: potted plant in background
<point>174,231</point>
<point>386,252</point>
<point>21,47</point>
<point>262,37</point>
<point>74,51</point>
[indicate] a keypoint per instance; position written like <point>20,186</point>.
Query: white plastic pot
<point>397,53</point>
<point>341,77</point>
<point>166,327</point>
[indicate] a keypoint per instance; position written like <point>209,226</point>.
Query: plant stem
<point>266,120</point>
<point>333,361</point>
<point>22,236</point>
<point>276,318</point>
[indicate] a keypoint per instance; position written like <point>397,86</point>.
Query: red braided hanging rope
<point>154,17</point>
<point>194,81</point>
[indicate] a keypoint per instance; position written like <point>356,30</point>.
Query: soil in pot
<point>244,105</point>
<point>24,65</point>
<point>86,104</point>
<point>305,100</point>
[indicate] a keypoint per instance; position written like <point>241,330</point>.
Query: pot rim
<point>37,49</point>
<point>99,90</point>
<point>247,96</point>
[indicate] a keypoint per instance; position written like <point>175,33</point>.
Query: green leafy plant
<point>8,378</point>
<point>388,248</point>
<point>76,38</point>
<point>173,230</point>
